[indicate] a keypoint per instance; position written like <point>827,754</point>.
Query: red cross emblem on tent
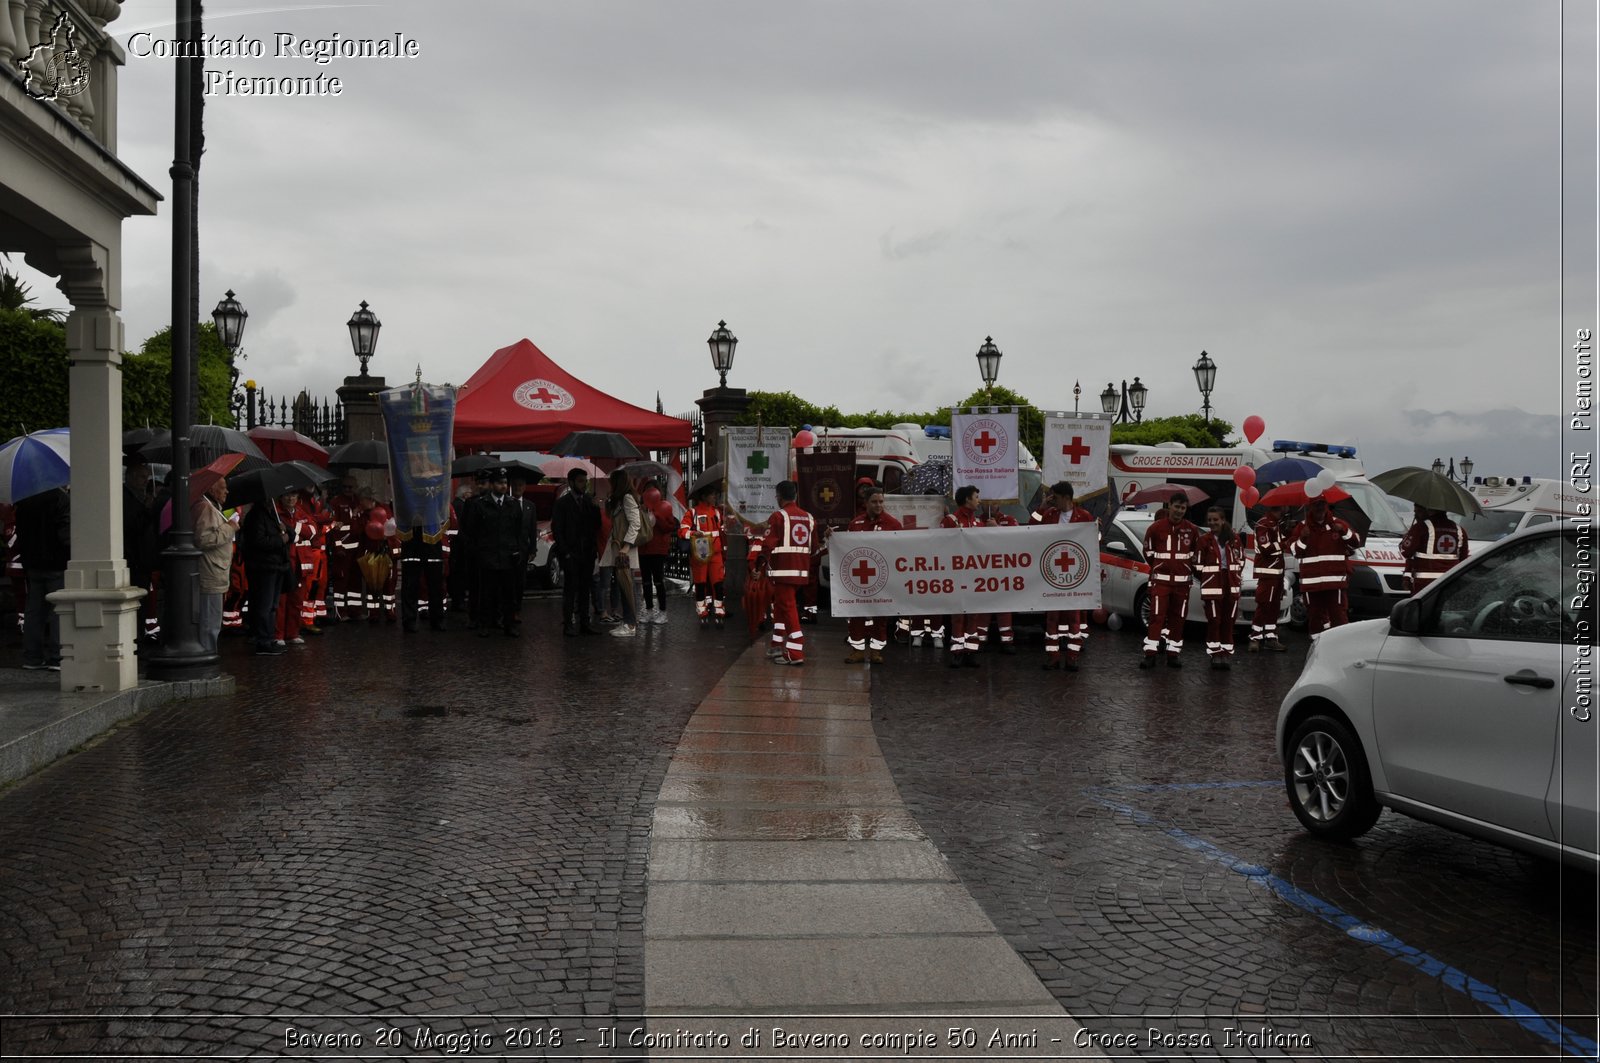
<point>542,395</point>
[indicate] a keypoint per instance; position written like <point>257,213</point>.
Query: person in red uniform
<point>868,635</point>
<point>791,537</point>
<point>702,527</point>
<point>999,623</point>
<point>653,555</point>
<point>1220,564</point>
<point>1269,581</point>
<point>965,628</point>
<point>1324,543</point>
<point>1169,547</point>
<point>1432,546</point>
<point>379,549</point>
<point>344,546</point>
<point>1069,626</point>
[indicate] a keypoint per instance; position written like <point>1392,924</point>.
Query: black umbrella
<point>595,444</point>
<point>532,473</point>
<point>261,485</point>
<point>207,443</point>
<point>316,473</point>
<point>360,454</point>
<point>1428,489</point>
<point>474,463</point>
<point>136,439</point>
<point>712,477</point>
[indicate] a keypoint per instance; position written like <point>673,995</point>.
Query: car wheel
<point>1329,786</point>
<point>1297,610</point>
<point>552,574</point>
<point>1141,608</point>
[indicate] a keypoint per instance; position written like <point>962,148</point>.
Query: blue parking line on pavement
<point>1567,1040</point>
<point>1159,787</point>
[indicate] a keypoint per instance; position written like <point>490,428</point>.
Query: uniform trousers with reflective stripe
<point>1169,606</point>
<point>1222,612</point>
<point>786,633</point>
<point>868,632</point>
<point>966,631</point>
<point>1269,600</point>
<point>1070,626</point>
<point>1326,608</point>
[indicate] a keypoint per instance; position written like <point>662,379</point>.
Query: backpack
<point>647,527</point>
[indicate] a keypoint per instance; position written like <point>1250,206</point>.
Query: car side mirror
<point>1406,618</point>
<point>1117,548</point>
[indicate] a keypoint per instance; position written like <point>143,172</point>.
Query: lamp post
<point>1205,375</point>
<point>1130,405</point>
<point>722,343</point>
<point>1438,467</point>
<point>364,326</point>
<point>229,316</point>
<point>989,363</point>
<point>1077,390</point>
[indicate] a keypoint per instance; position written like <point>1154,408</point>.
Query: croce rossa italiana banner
<point>1032,568</point>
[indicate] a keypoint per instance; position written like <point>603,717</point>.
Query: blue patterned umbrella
<point>1285,471</point>
<point>35,463</point>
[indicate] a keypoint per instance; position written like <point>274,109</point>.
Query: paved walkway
<point>786,877</point>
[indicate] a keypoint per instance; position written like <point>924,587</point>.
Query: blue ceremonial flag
<point>420,420</point>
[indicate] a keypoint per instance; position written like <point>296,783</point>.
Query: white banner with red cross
<point>1030,568</point>
<point>1077,449</point>
<point>983,453</point>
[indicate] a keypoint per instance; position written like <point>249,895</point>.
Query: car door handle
<point>1538,681</point>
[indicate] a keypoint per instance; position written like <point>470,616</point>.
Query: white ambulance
<point>1510,504</point>
<point>1377,574</point>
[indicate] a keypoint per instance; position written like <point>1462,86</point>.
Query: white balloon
<point>1114,622</point>
<point>1326,478</point>
<point>1314,489</point>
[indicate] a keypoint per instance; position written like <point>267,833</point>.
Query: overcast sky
<point>1354,207</point>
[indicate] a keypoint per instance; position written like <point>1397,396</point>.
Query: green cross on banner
<point>758,462</point>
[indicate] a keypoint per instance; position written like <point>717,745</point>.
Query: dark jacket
<point>497,531</point>
<point>575,526</point>
<point>44,531</point>
<point>141,537</point>
<point>261,539</point>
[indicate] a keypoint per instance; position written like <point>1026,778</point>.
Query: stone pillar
<point>362,419</point>
<point>721,407</point>
<point>97,607</point>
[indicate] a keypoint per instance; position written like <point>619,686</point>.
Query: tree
<point>147,381</point>
<point>15,295</point>
<point>33,373</point>
<point>1190,429</point>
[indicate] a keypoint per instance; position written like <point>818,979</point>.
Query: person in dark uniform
<point>495,524</point>
<point>575,529</point>
<point>530,528</point>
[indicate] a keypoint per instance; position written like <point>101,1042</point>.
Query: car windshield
<point>1385,521</point>
<point>1489,525</point>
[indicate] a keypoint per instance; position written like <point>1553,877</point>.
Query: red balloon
<point>805,438</point>
<point>1099,616</point>
<point>1244,476</point>
<point>375,529</point>
<point>1249,495</point>
<point>1253,427</point>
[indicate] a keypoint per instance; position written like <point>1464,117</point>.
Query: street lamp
<point>229,317</point>
<point>1205,375</point>
<point>1465,478</point>
<point>1129,406</point>
<point>989,362</point>
<point>722,344</point>
<point>364,326</point>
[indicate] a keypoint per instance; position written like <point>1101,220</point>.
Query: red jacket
<point>790,540</point>
<point>884,522</point>
<point>1169,548</point>
<point>1324,551</point>
<point>961,518</point>
<point>1431,548</point>
<point>1220,564</point>
<point>1269,548</point>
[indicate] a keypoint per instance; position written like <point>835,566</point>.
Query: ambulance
<point>1510,505</point>
<point>1377,573</point>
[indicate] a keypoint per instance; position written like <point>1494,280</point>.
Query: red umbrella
<point>200,482</point>
<point>285,444</point>
<point>1163,493</point>
<point>1295,495</point>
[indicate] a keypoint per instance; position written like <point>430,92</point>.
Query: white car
<point>1469,707</point>
<point>1125,574</point>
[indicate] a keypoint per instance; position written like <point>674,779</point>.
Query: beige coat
<point>213,537</point>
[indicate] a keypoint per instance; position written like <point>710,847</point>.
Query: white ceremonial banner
<point>916,511</point>
<point>756,458</point>
<point>1030,568</point>
<point>1077,449</point>
<point>983,453</point>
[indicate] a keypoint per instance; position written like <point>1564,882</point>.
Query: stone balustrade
<point>83,48</point>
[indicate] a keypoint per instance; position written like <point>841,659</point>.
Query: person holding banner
<point>790,540</point>
<point>1220,563</point>
<point>1071,627</point>
<point>965,628</point>
<point>1169,546</point>
<point>868,635</point>
<point>702,527</point>
<point>1269,581</point>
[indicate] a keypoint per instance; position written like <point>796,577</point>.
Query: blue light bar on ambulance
<point>1333,450</point>
<point>936,431</point>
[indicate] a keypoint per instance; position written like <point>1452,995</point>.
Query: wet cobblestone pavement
<point>1128,833</point>
<point>427,823</point>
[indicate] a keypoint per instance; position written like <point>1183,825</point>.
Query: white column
<point>8,34</point>
<point>97,607</point>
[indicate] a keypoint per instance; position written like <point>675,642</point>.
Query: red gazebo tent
<point>522,400</point>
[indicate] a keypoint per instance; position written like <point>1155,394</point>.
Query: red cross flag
<point>1077,449</point>
<point>1032,568</point>
<point>983,452</point>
